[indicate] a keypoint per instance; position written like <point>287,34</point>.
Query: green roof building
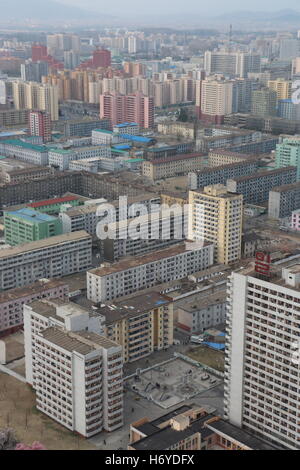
<point>27,225</point>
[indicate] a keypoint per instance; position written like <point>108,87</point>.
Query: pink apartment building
<point>12,301</point>
<point>296,220</point>
<point>135,107</point>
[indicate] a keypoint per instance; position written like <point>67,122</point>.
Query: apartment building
<point>28,225</point>
<point>176,165</point>
<point>230,63</point>
<point>183,129</point>
<point>74,370</point>
<point>16,174</point>
<point>194,317</point>
<point>216,216</point>
<point>84,127</point>
<point>220,174</point>
<point>52,186</point>
<point>262,351</point>
<point>135,107</point>
<point>221,157</point>
<point>216,99</point>
<point>134,274</point>
<point>283,200</point>
<point>288,153</point>
<point>53,257</point>
<point>264,102</point>
<point>255,188</point>
<point>86,218</point>
<point>33,95</point>
<point>12,301</point>
<point>13,117</point>
<point>141,325</point>
<point>295,220</point>
<point>143,234</point>
<point>61,158</point>
<point>282,87</point>
<point>37,154</point>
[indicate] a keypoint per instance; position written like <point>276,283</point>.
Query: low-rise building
<point>191,428</point>
<point>16,148</point>
<point>28,225</point>
<point>194,317</point>
<point>61,158</point>
<point>176,165</point>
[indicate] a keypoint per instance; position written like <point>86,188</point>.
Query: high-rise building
<point>288,154</point>
<point>36,96</point>
<point>48,100</point>
<point>34,71</point>
<point>216,99</point>
<point>71,59</point>
<point>262,351</point>
<point>289,48</point>
<point>101,58</point>
<point>40,125</point>
<point>127,108</point>
<point>81,387</point>
<point>282,87</point>
<point>216,216</point>
<point>264,102</point>
<point>231,63</point>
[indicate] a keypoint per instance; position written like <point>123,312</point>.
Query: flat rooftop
<point>261,174</point>
<point>286,187</point>
<point>133,307</point>
<point>68,341</point>
<point>39,286</point>
<point>45,243</point>
<point>166,437</point>
<point>239,435</point>
<point>31,216</point>
<point>132,262</point>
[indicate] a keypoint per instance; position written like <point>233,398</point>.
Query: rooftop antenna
<point>230,37</point>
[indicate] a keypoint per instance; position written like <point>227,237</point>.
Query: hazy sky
<point>214,7</point>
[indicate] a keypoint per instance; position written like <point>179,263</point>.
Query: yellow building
<point>141,325</point>
<point>282,87</point>
<point>215,215</point>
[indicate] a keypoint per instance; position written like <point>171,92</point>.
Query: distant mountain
<point>262,16</point>
<point>40,10</point>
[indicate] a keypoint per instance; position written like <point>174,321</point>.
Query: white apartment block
<point>61,158</point>
<point>104,137</point>
<point>51,257</point>
<point>262,370</point>
<point>216,97</point>
<point>86,218</point>
<point>76,372</point>
<point>125,277</point>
